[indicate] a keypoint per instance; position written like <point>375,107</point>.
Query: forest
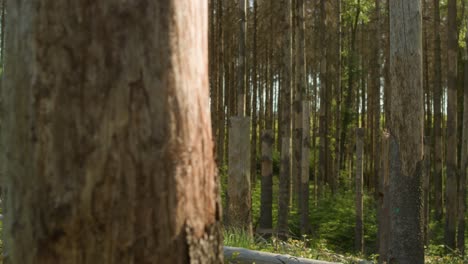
<point>233,131</point>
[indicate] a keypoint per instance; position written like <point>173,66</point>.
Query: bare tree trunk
<point>239,178</point>
<point>110,154</point>
<point>426,188</point>
<point>300,76</point>
<point>285,9</point>
<point>359,231</point>
<point>254,133</point>
<point>222,84</point>
<point>305,170</point>
<point>406,133</point>
<point>324,82</point>
<point>241,71</point>
<point>384,200</point>
<point>266,203</point>
<point>240,203</point>
<point>464,159</point>
<point>375,81</point>
<point>451,184</point>
<point>438,149</point>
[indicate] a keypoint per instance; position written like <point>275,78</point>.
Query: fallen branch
<point>234,255</point>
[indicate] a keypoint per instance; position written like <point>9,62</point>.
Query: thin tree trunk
<point>285,9</point>
<point>406,133</point>
<point>239,179</point>
<point>451,184</point>
<point>254,133</point>
<point>98,168</point>
<point>464,159</point>
<point>305,170</point>
<point>266,203</point>
<point>359,231</point>
<point>324,82</point>
<point>300,77</point>
<point>384,200</point>
<point>438,149</point>
<point>222,84</point>
<point>375,80</point>
<point>426,188</point>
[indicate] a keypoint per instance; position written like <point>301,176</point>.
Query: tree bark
<point>107,136</point>
<point>239,178</point>
<point>426,188</point>
<point>305,170</point>
<point>384,200</point>
<point>359,231</point>
<point>300,88</point>
<point>464,159</point>
<point>241,71</point>
<point>285,9</point>
<point>222,87</point>
<point>452,146</point>
<point>240,203</point>
<point>254,133</point>
<point>266,203</point>
<point>438,149</point>
<point>406,133</point>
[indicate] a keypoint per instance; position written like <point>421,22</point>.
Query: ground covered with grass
<point>333,220</point>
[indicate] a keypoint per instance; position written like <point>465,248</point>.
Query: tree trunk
<point>305,170</point>
<point>300,88</point>
<point>359,231</point>
<point>254,133</point>
<point>222,84</point>
<point>239,181</point>
<point>406,133</point>
<point>285,9</point>
<point>451,184</point>
<point>240,203</point>
<point>375,80</point>
<point>384,201</point>
<point>464,159</point>
<point>426,188</point>
<point>241,72</point>
<point>266,203</point>
<point>323,125</point>
<point>438,149</point>
<point>107,129</point>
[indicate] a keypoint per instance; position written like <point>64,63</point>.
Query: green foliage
<point>437,254</point>
<point>334,220</point>
<point>238,238</point>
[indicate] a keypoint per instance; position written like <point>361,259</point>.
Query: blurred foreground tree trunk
<point>108,151</point>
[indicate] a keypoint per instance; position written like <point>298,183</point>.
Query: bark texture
<point>438,149</point>
<point>406,133</point>
<point>359,230</point>
<point>452,146</point>
<point>384,200</point>
<point>305,170</point>
<point>107,135</point>
<point>464,159</point>
<point>285,9</point>
<point>266,204</point>
<point>240,201</point>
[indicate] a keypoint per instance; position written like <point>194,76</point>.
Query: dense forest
<point>312,117</point>
<point>235,131</point>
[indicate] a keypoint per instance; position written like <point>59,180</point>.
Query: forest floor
<point>332,220</point>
